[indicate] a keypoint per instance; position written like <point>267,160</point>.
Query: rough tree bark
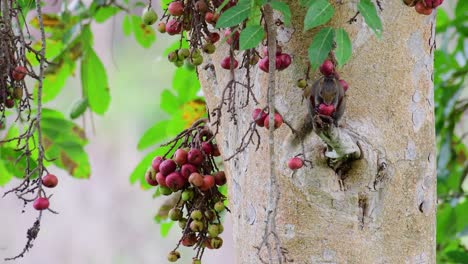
<point>386,211</point>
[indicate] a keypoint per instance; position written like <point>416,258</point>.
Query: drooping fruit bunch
<point>262,118</point>
<point>424,7</point>
<point>192,173</point>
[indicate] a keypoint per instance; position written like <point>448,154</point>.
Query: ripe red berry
<point>187,169</point>
<point>41,203</point>
<point>9,103</point>
<point>167,166</point>
<point>189,240</point>
<point>326,110</point>
<point>207,147</point>
<point>173,27</point>
<point>232,39</point>
<point>422,9</point>
<point>180,157</point>
<point>213,37</point>
<point>285,61</point>
<point>156,162</point>
<point>433,3</point>
<point>150,177</point>
<point>264,64</point>
<point>226,63</point>
<point>161,179</point>
<point>18,73</point>
<point>327,68</point>
<point>216,152</point>
<point>50,181</point>
<point>278,121</point>
<point>220,178</point>
<point>344,84</point>
<point>196,179</point>
<point>195,157</point>
<point>175,181</point>
<point>209,17</point>
<point>208,183</point>
<point>259,116</point>
<point>175,8</point>
<point>295,163</point>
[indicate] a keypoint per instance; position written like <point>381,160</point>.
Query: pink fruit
<point>295,163</point>
<point>49,181</point>
<point>207,147</point>
<point>208,183</point>
<point>196,179</point>
<point>220,178</point>
<point>176,8</point>
<point>189,240</point>
<point>279,50</point>
<point>326,110</point>
<point>156,163</point>
<point>175,181</point>
<point>18,73</point>
<point>264,63</point>
<point>161,179</point>
<point>161,27</point>
<point>422,9</point>
<point>187,169</point>
<point>213,37</point>
<point>209,17</point>
<point>180,157</point>
<point>259,116</point>
<point>344,84</point>
<point>278,121</point>
<point>433,3</point>
<point>195,157</point>
<point>167,167</point>
<point>41,203</point>
<point>327,68</point>
<point>173,27</point>
<point>150,177</point>
<point>232,39</point>
<point>226,63</point>
<point>285,61</point>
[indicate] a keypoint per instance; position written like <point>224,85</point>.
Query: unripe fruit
<point>195,157</point>
<point>187,169</point>
<point>9,103</point>
<point>179,63</point>
<point>49,181</point>
<point>422,9</point>
<point>164,190</point>
<point>213,37</point>
<point>41,203</point>
<point>219,207</point>
<point>226,63</point>
<point>175,8</point>
<point>201,6</point>
<point>254,59</point>
<point>220,178</point>
<point>209,48</point>
<point>167,166</point>
<point>210,215</point>
<point>196,226</point>
<point>302,83</point>
<point>18,93</point>
<point>180,157</point>
<point>182,223</point>
<point>213,230</point>
<point>258,115</point>
<point>232,39</point>
<point>285,61</point>
<point>189,240</point>
<point>187,195</point>
<point>208,183</point>
<point>196,215</point>
<point>79,107</point>
<point>196,261</point>
<point>344,84</point>
<point>326,110</point>
<point>172,56</point>
<point>327,68</point>
<point>196,179</point>
<point>150,177</point>
<point>278,121</point>
<point>149,16</point>
<point>183,53</point>
<point>173,256</point>
<point>196,60</point>
<point>161,179</point>
<point>18,73</point>
<point>156,162</point>
<point>220,228</point>
<point>175,214</point>
<point>161,27</point>
<point>216,242</point>
<point>173,27</point>
<point>295,163</point>
<point>207,147</point>
<point>175,181</point>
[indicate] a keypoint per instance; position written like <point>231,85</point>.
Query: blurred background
<point>105,219</point>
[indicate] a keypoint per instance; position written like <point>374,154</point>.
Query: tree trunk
<point>385,212</point>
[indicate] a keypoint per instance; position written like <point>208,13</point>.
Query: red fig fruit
<point>50,181</point>
<point>156,163</point>
<point>175,181</point>
<point>173,27</point>
<point>180,157</point>
<point>327,68</point>
<point>167,166</point>
<point>295,163</point>
<point>278,121</point>
<point>226,63</point>
<point>18,73</point>
<point>176,8</point>
<point>259,116</point>
<point>41,203</point>
<point>187,169</point>
<point>326,110</point>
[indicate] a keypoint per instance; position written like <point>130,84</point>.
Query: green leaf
<point>186,83</point>
<point>5,175</point>
<point>343,48</point>
<point>369,12</point>
<point>165,228</point>
<point>94,82</point>
<point>144,34</point>
<point>55,79</point>
<point>127,25</point>
<point>105,12</point>
<point>320,47</point>
<point>284,9</point>
<point>319,13</point>
<point>234,15</point>
<point>169,102</point>
<point>154,134</point>
<point>251,36</point>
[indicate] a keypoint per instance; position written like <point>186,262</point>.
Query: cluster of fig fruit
<point>282,60</point>
<point>49,181</point>
<point>262,118</point>
<point>424,7</point>
<point>191,172</point>
<point>11,90</point>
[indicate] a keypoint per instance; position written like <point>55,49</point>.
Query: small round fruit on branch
<point>195,157</point>
<point>422,9</point>
<point>210,215</point>
<point>278,121</point>
<point>173,27</point>
<point>164,190</point>
<point>50,180</point>
<point>201,6</point>
<point>213,37</point>
<point>187,169</point>
<point>173,256</point>
<point>156,162</point>
<point>19,72</point>
<point>220,178</point>
<point>150,177</point>
<point>327,68</point>
<point>232,38</point>
<point>196,226</point>
<point>175,214</point>
<point>258,115</point>
<point>285,61</point>
<point>196,215</point>
<point>216,242</point>
<point>295,163</point>
<point>149,16</point>
<point>219,207</point>
<point>196,179</point>
<point>9,103</point>
<point>176,8</point>
<point>301,83</point>
<point>209,48</point>
<point>161,179</point>
<point>189,240</point>
<point>433,3</point>
<point>211,18</point>
<point>213,230</point>
<point>208,183</point>
<point>187,195</point>
<point>182,223</point>
<point>175,181</point>
<point>180,157</point>
<point>196,261</point>
<point>216,152</point>
<point>207,148</point>
<point>326,110</point>
<point>226,63</point>
<point>41,203</point>
<point>161,27</point>
<point>279,50</point>
<point>167,166</point>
